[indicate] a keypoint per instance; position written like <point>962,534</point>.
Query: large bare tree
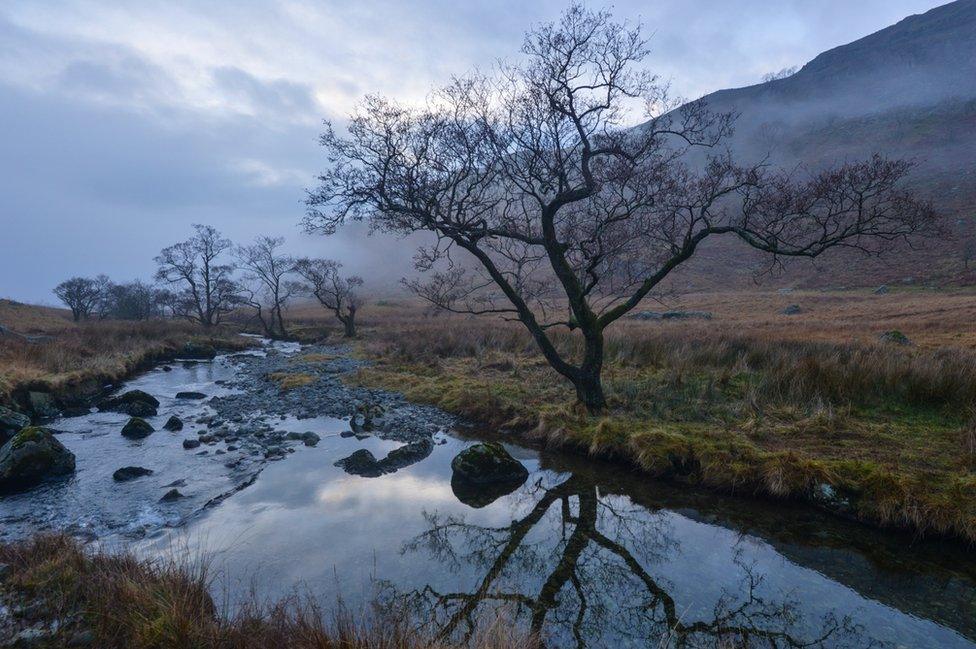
<point>207,290</point>
<point>264,264</point>
<point>563,212</point>
<point>333,291</point>
<point>82,294</point>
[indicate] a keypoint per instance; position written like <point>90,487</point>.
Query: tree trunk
<point>350,323</point>
<point>588,383</point>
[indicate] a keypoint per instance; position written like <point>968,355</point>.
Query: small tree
<point>206,289</point>
<point>549,208</point>
<point>132,301</point>
<point>82,295</point>
<point>265,266</point>
<point>333,291</point>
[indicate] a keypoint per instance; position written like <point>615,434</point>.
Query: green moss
<point>27,435</point>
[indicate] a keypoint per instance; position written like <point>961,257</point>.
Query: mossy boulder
<point>174,424</point>
<point>137,428</point>
<point>11,422</point>
<point>485,472</point>
<point>134,403</point>
<point>31,456</point>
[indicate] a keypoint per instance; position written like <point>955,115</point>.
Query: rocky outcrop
<point>137,428</point>
<point>31,456</point>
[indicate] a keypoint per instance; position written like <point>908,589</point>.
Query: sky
<point>123,123</point>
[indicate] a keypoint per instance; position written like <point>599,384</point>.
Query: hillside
<point>908,90</point>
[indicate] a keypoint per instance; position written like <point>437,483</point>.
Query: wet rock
<point>207,439</point>
<point>363,463</point>
<point>43,404</point>
<point>792,309</point>
<point>197,351</point>
<point>189,394</point>
<point>11,423</point>
<point>134,403</point>
<point>487,463</point>
<point>176,483</point>
<point>167,368</point>
<point>895,337</point>
<point>347,433</point>
<point>310,439</point>
<point>127,473</point>
<point>189,444</point>
<point>137,428</point>
<point>32,455</point>
<point>171,495</point>
<point>174,424</point>
<point>294,436</point>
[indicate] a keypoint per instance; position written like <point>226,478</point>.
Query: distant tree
<point>782,74</point>
<point>82,295</point>
<point>132,301</point>
<point>968,252</point>
<point>206,288</point>
<point>333,291</point>
<point>264,265</point>
<point>550,208</point>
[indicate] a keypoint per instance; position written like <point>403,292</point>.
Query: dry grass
<point>84,356</point>
<point>291,380</point>
<point>131,604</point>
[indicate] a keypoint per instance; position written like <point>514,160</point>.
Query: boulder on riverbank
<point>43,404</point>
<point>11,423</point>
<point>197,351</point>
<point>137,428</point>
<point>134,403</point>
<point>32,455</point>
<point>127,473</point>
<point>485,472</point>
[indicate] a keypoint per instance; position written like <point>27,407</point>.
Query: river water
<point>587,554</point>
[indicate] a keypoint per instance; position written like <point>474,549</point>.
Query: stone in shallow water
<point>189,394</point>
<point>487,463</point>
<point>137,428</point>
<point>11,423</point>
<point>127,473</point>
<point>171,495</point>
<point>32,455</point>
<point>191,443</point>
<point>174,423</point>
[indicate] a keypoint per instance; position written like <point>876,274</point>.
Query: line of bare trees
<point>206,277</point>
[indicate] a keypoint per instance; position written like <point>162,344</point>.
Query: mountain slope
<point>908,90</point>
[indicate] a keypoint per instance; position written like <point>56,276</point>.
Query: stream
<point>589,554</point>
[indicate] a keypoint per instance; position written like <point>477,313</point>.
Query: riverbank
<point>55,592</point>
<point>881,433</point>
<point>67,365</point>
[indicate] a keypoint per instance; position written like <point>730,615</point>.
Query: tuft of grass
<point>127,603</point>
<point>291,380</point>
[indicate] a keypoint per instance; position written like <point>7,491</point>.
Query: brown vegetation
<point>127,603</point>
<point>66,357</point>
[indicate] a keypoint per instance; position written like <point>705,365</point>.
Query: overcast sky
<point>123,123</point>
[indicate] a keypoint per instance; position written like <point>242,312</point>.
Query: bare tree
<point>207,289</point>
<point>332,290</point>
<point>550,209</point>
<point>131,301</point>
<point>82,295</point>
<point>264,264</point>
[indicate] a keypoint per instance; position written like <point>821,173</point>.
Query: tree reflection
<point>590,586</point>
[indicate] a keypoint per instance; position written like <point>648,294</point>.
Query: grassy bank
<point>74,360</point>
<point>882,433</point>
<point>113,600</point>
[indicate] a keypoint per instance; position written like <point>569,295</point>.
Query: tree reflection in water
<point>595,588</point>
